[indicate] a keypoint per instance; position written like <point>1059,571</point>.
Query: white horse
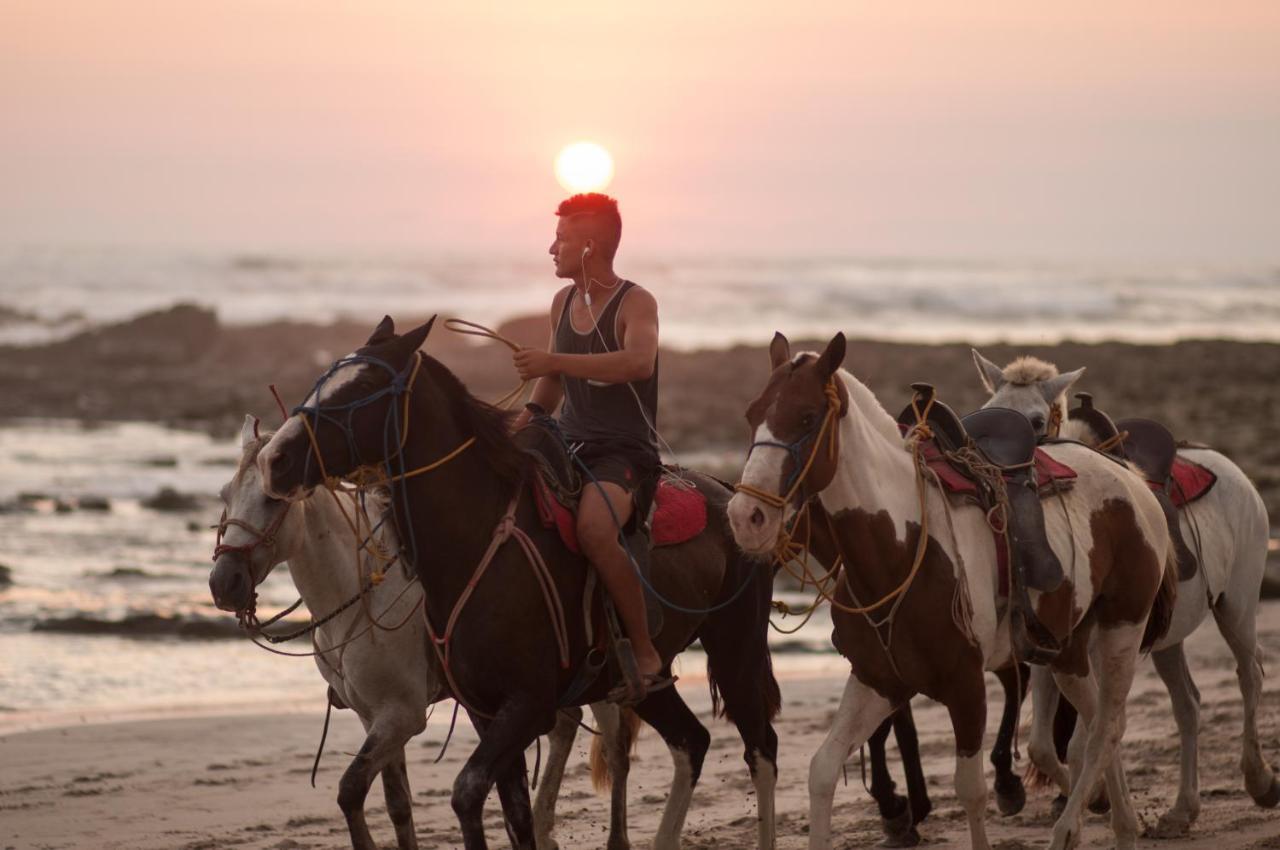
<point>387,673</point>
<point>1230,523</point>
<point>1115,550</point>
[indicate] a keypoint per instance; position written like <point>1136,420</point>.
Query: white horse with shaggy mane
<point>1230,523</point>
<point>387,673</point>
<point>821,436</point>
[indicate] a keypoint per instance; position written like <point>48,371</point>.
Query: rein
<point>365,476</point>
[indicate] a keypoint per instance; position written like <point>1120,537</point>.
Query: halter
<point>801,471</point>
<point>261,537</point>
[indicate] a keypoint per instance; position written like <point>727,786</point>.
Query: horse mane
<point>488,424</point>
<point>1027,370</point>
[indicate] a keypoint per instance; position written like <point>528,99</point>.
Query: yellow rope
<point>462,326</point>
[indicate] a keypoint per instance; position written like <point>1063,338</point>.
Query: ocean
<point>86,558</point>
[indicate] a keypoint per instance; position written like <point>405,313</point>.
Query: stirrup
<point>1031,641</point>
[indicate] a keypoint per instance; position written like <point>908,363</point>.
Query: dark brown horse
<point>513,636</point>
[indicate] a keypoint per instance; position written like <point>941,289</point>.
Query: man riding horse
<point>602,362</point>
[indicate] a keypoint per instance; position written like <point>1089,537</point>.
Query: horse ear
<point>414,339</point>
<point>779,349</point>
<point>992,375</point>
<point>1059,386</point>
<point>248,431</point>
<point>831,359</point>
<point>384,332</point>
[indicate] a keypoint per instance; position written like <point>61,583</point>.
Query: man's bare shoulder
<point>640,302</point>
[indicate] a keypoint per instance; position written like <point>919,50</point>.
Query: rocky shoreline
<point>183,367</point>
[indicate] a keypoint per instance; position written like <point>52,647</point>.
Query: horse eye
<point>1037,422</point>
<point>808,420</point>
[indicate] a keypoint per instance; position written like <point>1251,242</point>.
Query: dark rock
<point>6,575</point>
<point>169,499</point>
<point>93,503</point>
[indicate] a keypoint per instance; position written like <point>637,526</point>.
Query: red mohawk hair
<point>603,213</point>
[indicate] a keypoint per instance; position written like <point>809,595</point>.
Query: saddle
<point>1151,447</point>
<point>1004,439</point>
<point>678,512</point>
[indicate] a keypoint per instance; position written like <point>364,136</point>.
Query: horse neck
<point>875,471</point>
<point>447,515</point>
<point>323,559</point>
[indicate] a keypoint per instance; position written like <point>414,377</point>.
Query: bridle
<point>265,537</point>
<point>795,449</point>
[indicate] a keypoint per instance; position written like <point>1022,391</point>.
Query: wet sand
<point>242,781</point>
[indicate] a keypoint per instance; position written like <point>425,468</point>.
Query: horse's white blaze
<point>668,835</point>
<point>764,472</point>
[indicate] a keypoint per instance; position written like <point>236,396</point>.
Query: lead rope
<point>462,326</point>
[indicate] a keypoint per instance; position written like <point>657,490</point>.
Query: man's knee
<point>598,524</point>
<point>597,538</point>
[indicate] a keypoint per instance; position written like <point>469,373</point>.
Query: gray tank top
<point>599,412</point>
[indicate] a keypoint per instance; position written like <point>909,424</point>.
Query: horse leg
<point>861,710</point>
<point>688,741</point>
<point>383,745</point>
<point>1010,795</point>
<point>1237,621</point>
<point>904,730</point>
<point>968,710</point>
<point>1045,766</point>
<point>614,746</point>
<point>499,757</point>
<point>742,672</point>
<point>395,785</point>
<point>1171,664</point>
<point>1101,707</point>
<point>560,744</point>
<point>895,811</point>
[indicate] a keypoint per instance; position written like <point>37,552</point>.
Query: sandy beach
<point>242,780</point>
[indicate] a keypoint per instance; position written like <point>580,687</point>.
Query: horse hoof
<point>899,830</point>
<point>1058,805</point>
<point>1011,800</point>
<point>1172,824</point>
<point>1100,805</point>
<point>1271,798</point>
<point>910,838</point>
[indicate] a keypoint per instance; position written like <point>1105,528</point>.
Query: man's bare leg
<point>598,535</point>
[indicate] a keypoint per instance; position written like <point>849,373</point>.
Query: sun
<point>584,167</point>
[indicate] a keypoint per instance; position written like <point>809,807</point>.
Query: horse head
<point>251,534</point>
<point>1030,386</point>
<point>352,418</point>
<point>794,451</point>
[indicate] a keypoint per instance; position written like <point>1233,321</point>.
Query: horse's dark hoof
<point>1056,807</point>
<point>1100,805</point>
<point>899,831</point>
<point>910,838</point>
<point>1271,798</point>
<point>1011,798</point>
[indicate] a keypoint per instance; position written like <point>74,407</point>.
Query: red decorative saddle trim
<point>680,514</point>
<point>1190,482</point>
<point>954,481</point>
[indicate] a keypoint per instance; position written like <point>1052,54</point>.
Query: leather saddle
<point>1003,436</point>
<point>542,440</point>
<point>1151,447</point>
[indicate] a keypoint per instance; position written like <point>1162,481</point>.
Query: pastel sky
<point>1143,130</point>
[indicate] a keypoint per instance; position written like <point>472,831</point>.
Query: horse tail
<point>1162,608</point>
<point>628,738</point>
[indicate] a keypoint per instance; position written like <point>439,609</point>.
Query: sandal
<point>624,694</point>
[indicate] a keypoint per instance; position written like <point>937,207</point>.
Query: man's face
<point>567,248</point>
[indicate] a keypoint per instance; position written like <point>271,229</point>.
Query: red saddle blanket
<point>1047,469</point>
<point>1190,482</point>
<point>679,514</point>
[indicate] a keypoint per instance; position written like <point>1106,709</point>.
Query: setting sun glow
<point>584,167</point>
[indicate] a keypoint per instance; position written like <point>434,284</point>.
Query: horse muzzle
<point>231,583</point>
<point>755,525</point>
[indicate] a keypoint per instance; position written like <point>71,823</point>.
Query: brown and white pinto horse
<point>860,474</point>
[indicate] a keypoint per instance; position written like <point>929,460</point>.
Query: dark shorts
<point>634,471</point>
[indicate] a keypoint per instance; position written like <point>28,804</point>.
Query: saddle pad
<point>1190,481</point>
<point>1047,469</point>
<point>679,514</point>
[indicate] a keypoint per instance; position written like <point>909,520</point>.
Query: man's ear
<point>779,350</point>
<point>992,375</point>
<point>384,332</point>
<point>832,357</point>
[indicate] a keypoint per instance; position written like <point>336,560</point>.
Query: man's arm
<point>548,390</point>
<point>635,362</point>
